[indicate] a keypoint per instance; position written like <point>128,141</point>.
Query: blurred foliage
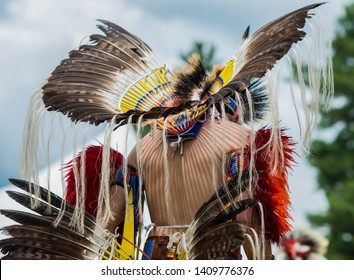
<point>335,159</point>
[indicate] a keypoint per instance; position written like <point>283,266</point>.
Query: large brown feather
<point>266,46</point>
<point>219,242</point>
<point>273,41</point>
<point>86,86</point>
<point>42,235</point>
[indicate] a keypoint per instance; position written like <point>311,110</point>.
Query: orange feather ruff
<point>272,188</point>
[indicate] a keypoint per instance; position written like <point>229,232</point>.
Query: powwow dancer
<point>213,183</point>
<point>304,244</point>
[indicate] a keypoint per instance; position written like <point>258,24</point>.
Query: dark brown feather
<point>219,242</point>
<point>86,86</point>
<point>231,191</point>
<point>45,196</point>
<point>50,239</point>
<point>268,45</point>
<point>213,233</point>
<point>224,215</point>
<point>43,235</point>
<point>30,253</point>
<point>47,246</point>
<point>40,234</point>
<point>271,42</point>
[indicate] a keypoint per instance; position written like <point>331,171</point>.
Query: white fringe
<point>48,146</point>
<point>253,247</point>
<point>251,144</point>
<point>77,219</point>
<point>214,115</point>
<point>125,167</point>
<point>170,215</point>
<point>140,167</point>
<point>30,154</point>
<point>104,208</point>
<point>317,95</point>
<point>274,145</point>
<point>224,162</point>
<point>61,213</point>
<point>262,233</point>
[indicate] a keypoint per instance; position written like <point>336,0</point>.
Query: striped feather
<point>258,54</point>
<point>92,84</point>
<point>41,235</point>
<point>219,243</point>
<point>266,46</point>
<point>233,188</point>
<point>47,200</point>
<point>52,241</point>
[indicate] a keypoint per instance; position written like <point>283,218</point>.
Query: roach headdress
<point>304,244</point>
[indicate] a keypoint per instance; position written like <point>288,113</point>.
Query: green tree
<point>206,52</point>
<point>335,159</point>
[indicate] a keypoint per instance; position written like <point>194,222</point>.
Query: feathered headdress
<point>116,76</point>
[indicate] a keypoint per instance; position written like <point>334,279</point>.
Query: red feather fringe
<point>93,166</point>
<point>272,188</point>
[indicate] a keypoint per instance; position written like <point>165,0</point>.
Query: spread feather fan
<point>116,76</point>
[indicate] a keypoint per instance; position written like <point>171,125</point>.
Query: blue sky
<point>37,34</point>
